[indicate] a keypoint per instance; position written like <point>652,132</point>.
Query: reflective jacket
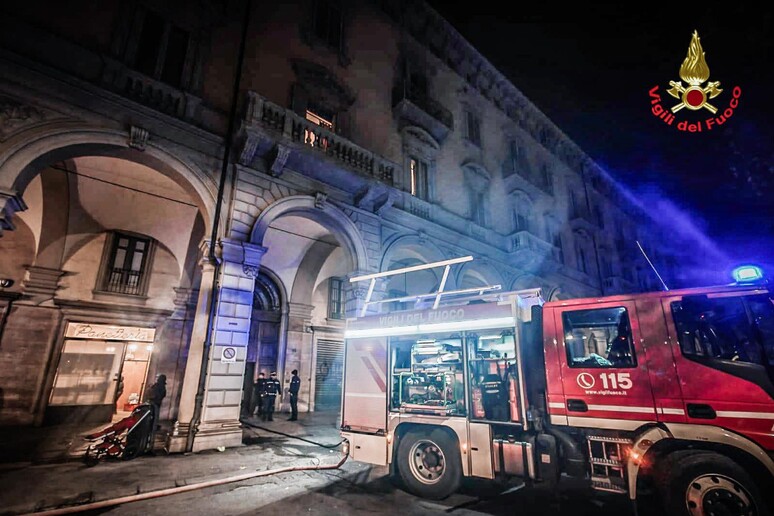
<point>273,387</point>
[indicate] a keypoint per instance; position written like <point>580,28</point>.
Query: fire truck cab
<point>672,389</point>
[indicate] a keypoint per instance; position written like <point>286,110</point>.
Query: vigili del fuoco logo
<point>693,96</point>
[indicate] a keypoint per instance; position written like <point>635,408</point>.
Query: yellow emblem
<point>694,71</point>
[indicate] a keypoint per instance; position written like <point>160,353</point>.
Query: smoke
<point>701,260</point>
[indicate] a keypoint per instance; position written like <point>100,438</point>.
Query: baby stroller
<point>125,439</point>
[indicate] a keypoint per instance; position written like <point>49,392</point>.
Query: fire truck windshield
<point>738,329</point>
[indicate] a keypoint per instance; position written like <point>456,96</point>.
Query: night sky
<point>589,69</point>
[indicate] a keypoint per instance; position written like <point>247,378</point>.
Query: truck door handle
<point>701,411</point>
<point>577,406</point>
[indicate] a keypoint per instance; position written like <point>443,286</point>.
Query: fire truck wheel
<point>429,463</point>
<point>698,483</point>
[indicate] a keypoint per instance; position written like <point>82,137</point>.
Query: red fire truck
<point>672,390</point>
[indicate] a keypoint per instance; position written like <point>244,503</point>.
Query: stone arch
<point>480,274</point>
<point>526,281</point>
<point>30,151</point>
<point>422,248</point>
<point>408,250</point>
<point>308,269</point>
<point>326,214</point>
<point>268,283</point>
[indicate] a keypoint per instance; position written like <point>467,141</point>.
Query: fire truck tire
<point>691,483</point>
<point>429,463</point>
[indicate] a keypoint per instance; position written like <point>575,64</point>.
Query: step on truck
<point>670,392</point>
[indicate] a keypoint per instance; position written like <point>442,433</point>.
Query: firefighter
<point>295,384</point>
<point>273,387</point>
<point>259,393</point>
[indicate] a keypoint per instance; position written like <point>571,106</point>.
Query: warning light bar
<point>747,274</point>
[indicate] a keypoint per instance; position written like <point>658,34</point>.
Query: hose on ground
<point>191,487</point>
<point>321,445</point>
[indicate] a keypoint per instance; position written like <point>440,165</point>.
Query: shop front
<point>101,373</point>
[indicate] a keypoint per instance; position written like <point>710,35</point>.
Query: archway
<point>312,247</point>
<point>266,322</point>
<point>113,233</point>
<point>406,251</point>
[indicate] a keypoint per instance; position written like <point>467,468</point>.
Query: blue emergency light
<point>747,274</point>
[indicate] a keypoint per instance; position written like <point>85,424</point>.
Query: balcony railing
<point>320,139</point>
<point>124,281</point>
<point>149,91</point>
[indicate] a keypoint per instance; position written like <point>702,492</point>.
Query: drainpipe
<point>199,401</point>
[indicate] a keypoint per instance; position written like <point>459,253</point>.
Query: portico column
<point>220,425</point>
<point>297,353</point>
<point>193,364</point>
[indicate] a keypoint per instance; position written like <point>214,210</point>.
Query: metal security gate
<point>329,372</point>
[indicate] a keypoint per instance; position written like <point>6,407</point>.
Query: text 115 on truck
<point>672,390</point>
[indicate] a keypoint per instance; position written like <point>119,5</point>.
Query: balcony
<point>150,92</point>
<point>581,218</point>
<point>310,148</point>
<point>527,183</point>
<point>419,109</point>
<point>528,250</point>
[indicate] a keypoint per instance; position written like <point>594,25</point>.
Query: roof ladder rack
<point>437,294</point>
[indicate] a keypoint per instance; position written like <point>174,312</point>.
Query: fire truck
<point>670,391</point>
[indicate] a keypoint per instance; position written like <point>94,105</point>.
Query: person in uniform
<point>259,392</point>
<point>273,387</point>
<point>295,384</point>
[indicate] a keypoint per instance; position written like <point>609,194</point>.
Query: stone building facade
<point>368,136</point>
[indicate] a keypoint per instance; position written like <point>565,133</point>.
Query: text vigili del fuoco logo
<point>693,96</point>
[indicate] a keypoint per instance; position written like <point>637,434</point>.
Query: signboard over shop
<point>109,332</point>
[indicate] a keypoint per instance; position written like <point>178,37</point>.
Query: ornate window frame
<point>419,144</point>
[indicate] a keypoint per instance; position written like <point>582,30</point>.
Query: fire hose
<point>192,487</point>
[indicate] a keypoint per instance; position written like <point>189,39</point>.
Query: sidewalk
<point>28,487</point>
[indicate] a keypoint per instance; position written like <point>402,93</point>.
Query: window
<point>580,256</point>
<point>600,337</point>
<point>515,160</point>
<point>735,329</point>
<point>478,208</point>
<point>324,119</point>
<point>545,179</point>
<point>520,221</point>
<point>555,237</point>
<point>574,205</point>
<point>335,298</point>
<point>162,50</point>
<point>600,216</point>
<point>607,269</point>
<point>127,265</point>
<point>329,22</point>
<point>473,128</point>
<point>418,178</point>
